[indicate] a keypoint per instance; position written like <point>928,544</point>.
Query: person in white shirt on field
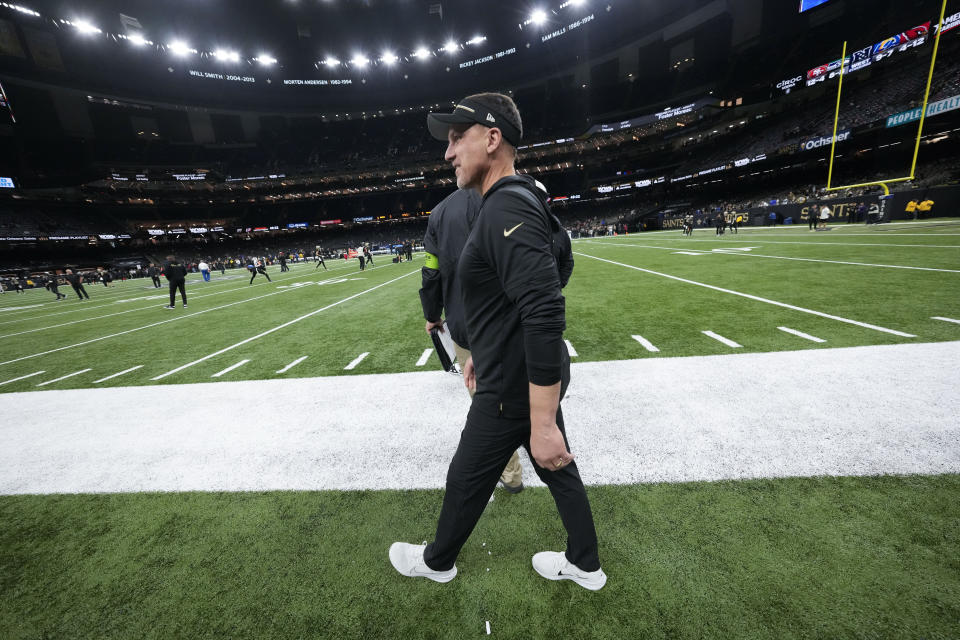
<point>204,270</point>
<point>824,216</point>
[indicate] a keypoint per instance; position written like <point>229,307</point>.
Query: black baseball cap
<point>473,111</point>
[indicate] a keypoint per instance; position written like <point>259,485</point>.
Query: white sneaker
<point>408,560</point>
<point>553,565</point>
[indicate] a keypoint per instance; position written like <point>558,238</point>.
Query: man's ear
<point>494,140</point>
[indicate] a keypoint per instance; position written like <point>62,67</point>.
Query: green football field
<point>859,556</point>
<point>854,285</point>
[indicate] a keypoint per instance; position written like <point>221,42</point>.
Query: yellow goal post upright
<point>923,115</point>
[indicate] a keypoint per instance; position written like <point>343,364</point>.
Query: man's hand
<point>546,441</point>
<point>470,375</point>
<point>548,448</point>
<point>430,325</point>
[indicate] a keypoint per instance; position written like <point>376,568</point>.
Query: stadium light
<point>421,53</point>
<point>265,59</point>
<point>17,7</point>
<point>85,27</point>
<point>137,39</point>
<point>360,60</point>
<point>331,61</point>
<point>179,48</point>
<point>476,39</point>
<point>227,56</point>
<point>451,46</point>
<point>538,17</point>
<point>388,58</point>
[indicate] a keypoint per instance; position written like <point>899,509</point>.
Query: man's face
<point>467,152</point>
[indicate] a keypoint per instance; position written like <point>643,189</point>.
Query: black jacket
<point>513,305</point>
<point>447,230</point>
<point>174,271</point>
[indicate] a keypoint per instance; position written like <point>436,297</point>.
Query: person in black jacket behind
<point>76,281</point>
<point>176,275</point>
<point>515,317</point>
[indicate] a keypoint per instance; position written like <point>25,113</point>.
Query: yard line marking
<point>730,252</point>
<point>571,350</point>
<point>356,361</point>
<point>139,366</point>
<point>945,319</point>
<point>154,324</point>
<point>719,338</point>
<point>230,368</point>
<point>423,358</point>
<point>29,375</point>
<point>277,328</point>
<point>806,336</point>
<point>193,297</point>
<point>646,344</point>
<point>754,241</point>
<point>752,297</point>
<point>292,364</point>
<point>69,375</point>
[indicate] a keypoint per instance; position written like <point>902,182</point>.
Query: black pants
<point>56,291</point>
<point>81,292</point>
<point>178,284</point>
<point>486,445</point>
<point>812,222</point>
<point>362,263</point>
<point>320,262</point>
<point>156,281</point>
<point>369,259</point>
<point>283,267</point>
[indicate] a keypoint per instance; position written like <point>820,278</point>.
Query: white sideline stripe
<point>757,298</point>
<point>945,319</point>
<point>29,375</point>
<point>423,358</point>
<point>292,364</point>
<point>571,350</point>
<point>356,361</point>
<point>152,306</point>
<point>69,375</point>
<point>729,251</point>
<point>277,328</point>
<point>719,338</point>
<point>81,440</point>
<point>807,336</point>
<point>646,344</point>
<point>139,366</point>
<point>114,335</point>
<point>230,368</point>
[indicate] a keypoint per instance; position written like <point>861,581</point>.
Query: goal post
<point>923,116</point>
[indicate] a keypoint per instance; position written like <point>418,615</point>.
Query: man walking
<point>447,230</point>
<point>514,312</point>
<point>176,275</point>
<point>318,254</point>
<point>204,270</point>
<point>76,281</point>
<point>154,273</point>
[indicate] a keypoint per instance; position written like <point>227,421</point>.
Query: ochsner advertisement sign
<point>823,141</point>
<point>934,108</point>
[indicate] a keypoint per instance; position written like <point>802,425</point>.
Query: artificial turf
<point>867,557</point>
<point>607,303</point>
